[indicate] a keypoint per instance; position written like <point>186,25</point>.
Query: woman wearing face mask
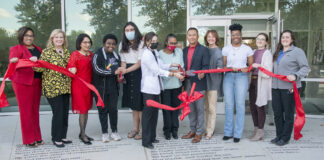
<point>130,51</point>
<point>260,87</point>
<point>235,85</point>
<point>80,64</point>
<point>106,65</point>
<point>291,61</point>
<point>172,87</point>
<point>214,81</point>
<point>27,86</point>
<point>57,86</point>
<point>151,85</point>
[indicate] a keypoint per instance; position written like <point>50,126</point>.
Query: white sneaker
<point>105,137</point>
<point>115,136</point>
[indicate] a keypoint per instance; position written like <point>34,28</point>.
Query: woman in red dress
<point>80,64</point>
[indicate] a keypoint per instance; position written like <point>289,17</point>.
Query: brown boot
<point>189,135</point>
<point>196,139</point>
<point>253,133</point>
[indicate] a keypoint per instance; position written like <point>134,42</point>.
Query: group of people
<point>149,74</point>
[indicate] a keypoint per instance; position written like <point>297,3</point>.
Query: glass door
<point>221,26</point>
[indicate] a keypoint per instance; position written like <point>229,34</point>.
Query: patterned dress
<point>55,83</point>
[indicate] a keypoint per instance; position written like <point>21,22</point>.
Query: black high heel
<point>66,141</point>
<point>58,145</point>
<point>40,142</point>
<point>32,145</point>
<point>89,138</point>
<point>85,142</point>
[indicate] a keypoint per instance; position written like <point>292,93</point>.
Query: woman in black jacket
<point>106,67</point>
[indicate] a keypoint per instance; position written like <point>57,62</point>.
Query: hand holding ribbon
<point>193,96</point>
<point>43,64</point>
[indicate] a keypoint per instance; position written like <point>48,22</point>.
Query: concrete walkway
<point>310,147</point>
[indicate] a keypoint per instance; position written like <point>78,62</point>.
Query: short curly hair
<point>236,27</point>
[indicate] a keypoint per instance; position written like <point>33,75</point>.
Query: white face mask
<point>130,35</point>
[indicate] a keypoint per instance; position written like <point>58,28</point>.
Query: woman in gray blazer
<point>291,61</point>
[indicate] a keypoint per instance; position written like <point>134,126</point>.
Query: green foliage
<point>230,7</point>
<point>166,16</point>
<point>72,39</point>
<point>6,40</point>
<point>108,16</point>
<point>42,16</point>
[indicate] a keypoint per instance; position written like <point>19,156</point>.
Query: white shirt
<point>132,56</point>
<point>151,70</point>
<point>237,56</point>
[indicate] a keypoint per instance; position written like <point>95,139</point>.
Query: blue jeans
<point>235,87</point>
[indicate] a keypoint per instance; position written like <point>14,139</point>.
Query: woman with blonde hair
<point>56,86</point>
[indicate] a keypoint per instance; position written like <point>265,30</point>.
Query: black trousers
<point>170,118</point>
<point>283,105</point>
<point>149,120</point>
<point>60,109</point>
<point>110,101</point>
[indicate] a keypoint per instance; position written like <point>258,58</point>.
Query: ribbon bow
<point>186,100</point>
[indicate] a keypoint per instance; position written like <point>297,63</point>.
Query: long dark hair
<point>137,40</point>
<point>280,46</point>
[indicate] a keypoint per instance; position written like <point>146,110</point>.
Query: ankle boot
<point>253,133</point>
<point>259,135</point>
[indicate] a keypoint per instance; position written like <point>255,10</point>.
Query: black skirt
<point>132,96</point>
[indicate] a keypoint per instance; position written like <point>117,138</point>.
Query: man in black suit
<point>196,57</point>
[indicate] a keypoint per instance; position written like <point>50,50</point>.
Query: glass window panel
<point>42,16</point>
<point>230,7</point>
<point>306,20</point>
<point>162,17</point>
<point>96,18</point>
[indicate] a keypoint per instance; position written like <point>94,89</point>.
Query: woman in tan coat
<point>260,87</point>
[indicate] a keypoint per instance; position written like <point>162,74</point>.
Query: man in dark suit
<point>196,57</point>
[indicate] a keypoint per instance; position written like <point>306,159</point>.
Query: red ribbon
<point>300,114</point>
<point>194,95</point>
<point>40,64</point>
<point>120,77</point>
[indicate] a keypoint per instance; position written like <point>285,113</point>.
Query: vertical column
<point>129,10</point>
<point>63,15</point>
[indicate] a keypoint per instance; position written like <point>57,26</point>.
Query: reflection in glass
<point>161,16</point>
<point>230,7</point>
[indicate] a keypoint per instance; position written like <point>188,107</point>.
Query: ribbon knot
<point>186,100</point>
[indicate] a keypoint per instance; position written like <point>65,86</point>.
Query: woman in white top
<point>235,84</point>
<point>130,51</point>
<point>151,85</point>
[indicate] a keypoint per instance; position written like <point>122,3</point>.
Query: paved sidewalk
<point>310,147</point>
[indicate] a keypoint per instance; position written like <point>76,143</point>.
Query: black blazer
<point>200,61</point>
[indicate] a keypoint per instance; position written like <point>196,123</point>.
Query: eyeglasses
<point>86,42</point>
<point>260,39</point>
<point>29,35</point>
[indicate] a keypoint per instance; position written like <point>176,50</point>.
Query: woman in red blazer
<point>27,86</point>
